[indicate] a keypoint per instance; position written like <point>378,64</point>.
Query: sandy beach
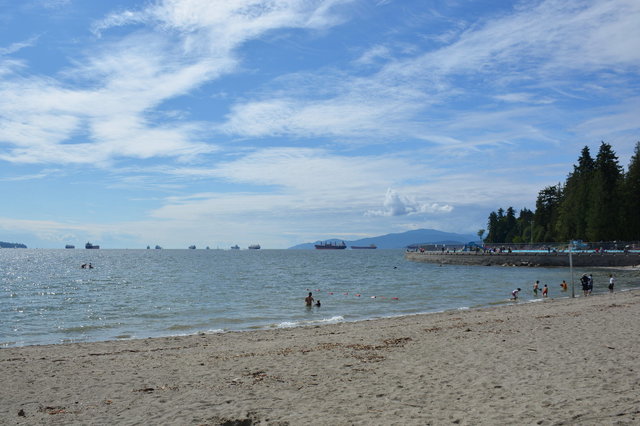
<point>557,361</point>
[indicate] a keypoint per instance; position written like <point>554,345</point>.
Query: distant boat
<point>254,247</point>
<point>236,247</point>
<point>192,247</point>
<point>158,247</point>
<point>369,247</point>
<point>70,246</point>
<point>328,245</point>
<point>91,246</point>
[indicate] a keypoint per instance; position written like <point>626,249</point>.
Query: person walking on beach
<point>309,299</point>
<point>535,288</point>
<point>612,282</point>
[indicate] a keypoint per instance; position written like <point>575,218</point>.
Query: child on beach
<point>514,294</point>
<point>545,291</point>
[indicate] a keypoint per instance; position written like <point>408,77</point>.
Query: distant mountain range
<point>402,240</point>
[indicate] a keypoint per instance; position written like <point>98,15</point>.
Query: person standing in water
<point>535,288</point>
<point>309,300</point>
<point>545,291</point>
<point>563,284</point>
<point>612,282</point>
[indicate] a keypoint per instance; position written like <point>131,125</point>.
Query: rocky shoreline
<point>580,259</point>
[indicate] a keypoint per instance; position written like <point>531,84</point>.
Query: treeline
<point>599,201</point>
<point>11,245</point>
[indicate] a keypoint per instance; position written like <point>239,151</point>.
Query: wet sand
<point>557,361</point>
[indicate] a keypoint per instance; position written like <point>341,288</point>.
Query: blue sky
<point>214,122</point>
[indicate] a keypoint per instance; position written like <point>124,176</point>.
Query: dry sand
<point>563,361</point>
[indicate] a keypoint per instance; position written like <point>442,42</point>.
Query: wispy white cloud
<point>539,44</point>
<point>16,47</point>
<point>184,45</point>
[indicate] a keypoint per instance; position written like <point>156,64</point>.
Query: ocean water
<point>46,297</point>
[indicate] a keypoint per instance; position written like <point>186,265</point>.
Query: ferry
<point>328,245</point>
<point>254,247</point>
<point>69,246</point>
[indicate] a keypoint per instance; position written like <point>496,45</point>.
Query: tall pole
<point>532,232</point>
<point>573,293</point>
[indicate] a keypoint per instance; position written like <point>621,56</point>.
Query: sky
<point>130,123</point>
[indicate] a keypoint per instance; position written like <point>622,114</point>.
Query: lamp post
<point>532,231</point>
<point>573,293</point>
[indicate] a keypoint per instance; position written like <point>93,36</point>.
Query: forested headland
<point>11,245</point>
<point>599,201</point>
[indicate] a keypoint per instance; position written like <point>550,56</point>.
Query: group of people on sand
<point>309,301</point>
<point>585,280</point>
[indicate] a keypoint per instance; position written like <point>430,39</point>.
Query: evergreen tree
<point>631,224</point>
<point>572,215</point>
<point>547,207</point>
<point>605,207</point>
<point>598,202</point>
<point>524,225</point>
<point>492,226</point>
<point>510,225</point>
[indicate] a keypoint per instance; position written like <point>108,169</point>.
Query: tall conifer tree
<point>572,216</point>
<point>631,226</point>
<point>605,207</point>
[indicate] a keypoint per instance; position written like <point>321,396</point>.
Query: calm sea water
<point>45,297</point>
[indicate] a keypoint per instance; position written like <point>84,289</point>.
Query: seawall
<point>526,259</point>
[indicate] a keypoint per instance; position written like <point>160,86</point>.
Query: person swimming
<point>318,303</point>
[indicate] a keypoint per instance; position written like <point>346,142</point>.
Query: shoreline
<point>552,259</point>
<point>497,303</point>
<point>559,361</point>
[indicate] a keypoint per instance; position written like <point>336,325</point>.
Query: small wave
<point>178,327</point>
<point>123,336</point>
<point>333,320</point>
<point>81,329</point>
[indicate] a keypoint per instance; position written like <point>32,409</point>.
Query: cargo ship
<point>91,246</point>
<point>328,245</point>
